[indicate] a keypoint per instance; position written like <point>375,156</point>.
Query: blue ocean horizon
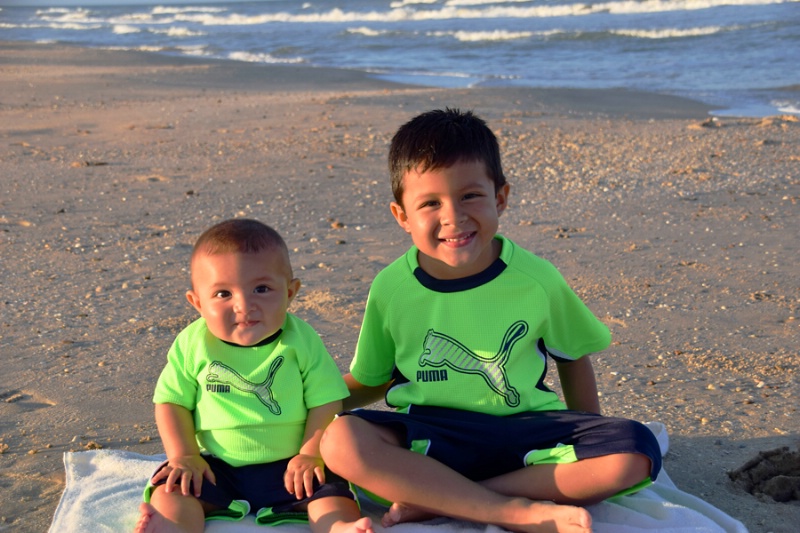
<point>740,56</point>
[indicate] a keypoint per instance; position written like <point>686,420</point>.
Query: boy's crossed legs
<point>375,458</point>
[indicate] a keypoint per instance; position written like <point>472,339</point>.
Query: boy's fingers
<point>319,472</point>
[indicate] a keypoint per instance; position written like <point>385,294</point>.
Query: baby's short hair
<point>440,139</point>
<point>239,235</point>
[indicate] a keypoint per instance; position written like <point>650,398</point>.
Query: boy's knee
<point>337,439</point>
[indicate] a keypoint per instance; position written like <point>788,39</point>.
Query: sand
<point>681,233</point>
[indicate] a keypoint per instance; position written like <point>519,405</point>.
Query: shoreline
<point>171,73</point>
<point>677,230</point>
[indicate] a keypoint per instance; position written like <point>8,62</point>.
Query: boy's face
<point>243,297</point>
<point>452,215</point>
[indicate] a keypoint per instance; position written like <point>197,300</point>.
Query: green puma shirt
<point>478,343</point>
<point>250,403</point>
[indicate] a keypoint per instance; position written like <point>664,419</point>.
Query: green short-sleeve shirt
<point>478,343</point>
<point>250,404</point>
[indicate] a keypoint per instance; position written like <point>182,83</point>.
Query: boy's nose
<point>452,214</point>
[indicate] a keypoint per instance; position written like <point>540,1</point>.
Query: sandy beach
<point>680,231</point>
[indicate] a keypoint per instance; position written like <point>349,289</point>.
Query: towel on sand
<point>104,488</point>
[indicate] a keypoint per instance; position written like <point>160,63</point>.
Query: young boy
<point>244,398</point>
<point>456,334</point>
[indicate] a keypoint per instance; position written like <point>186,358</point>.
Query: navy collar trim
<point>266,341</point>
<point>461,284</point>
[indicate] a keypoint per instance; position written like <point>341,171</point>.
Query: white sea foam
<point>478,36</point>
<point>784,106</point>
<point>122,29</point>
<point>367,32</point>
<point>261,58</point>
<point>175,31</point>
<point>671,33</point>
<point>162,10</point>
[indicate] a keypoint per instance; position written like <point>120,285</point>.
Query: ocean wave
<point>671,33</point>
<point>448,12</point>
<point>367,32</point>
<point>122,29</point>
<point>175,31</point>
<point>250,57</point>
<point>480,36</point>
<point>403,11</point>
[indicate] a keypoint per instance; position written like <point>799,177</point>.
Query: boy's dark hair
<point>439,139</point>
<point>239,235</point>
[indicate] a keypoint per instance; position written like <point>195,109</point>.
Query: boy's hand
<point>300,474</point>
<point>187,472</point>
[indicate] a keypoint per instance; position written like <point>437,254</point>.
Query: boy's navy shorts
<point>482,446</point>
<point>259,487</point>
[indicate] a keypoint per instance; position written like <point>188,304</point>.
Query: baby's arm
<point>176,428</point>
<point>362,395</point>
<point>579,385</point>
<point>307,464</point>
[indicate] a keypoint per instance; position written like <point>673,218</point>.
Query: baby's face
<point>243,297</point>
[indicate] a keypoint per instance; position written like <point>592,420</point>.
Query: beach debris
<point>712,122</point>
<point>779,120</point>
<point>88,163</point>
<point>3,447</point>
<point>773,473</point>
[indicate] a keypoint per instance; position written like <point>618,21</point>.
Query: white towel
<point>104,489</point>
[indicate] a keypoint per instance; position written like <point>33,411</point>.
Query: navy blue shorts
<point>482,446</point>
<point>259,487</point>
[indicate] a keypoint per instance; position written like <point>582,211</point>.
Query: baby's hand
<point>187,472</point>
<point>300,474</point>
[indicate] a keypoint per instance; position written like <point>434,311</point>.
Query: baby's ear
<point>400,216</point>
<point>194,300</point>
<point>294,287</point>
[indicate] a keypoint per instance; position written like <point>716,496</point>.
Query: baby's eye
<point>222,294</point>
<point>261,289</point>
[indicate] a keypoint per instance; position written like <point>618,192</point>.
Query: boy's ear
<point>193,299</point>
<point>294,287</point>
<point>501,198</point>
<point>400,216</point>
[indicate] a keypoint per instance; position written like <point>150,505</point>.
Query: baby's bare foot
<point>151,521</point>
<point>362,525</point>
<point>399,514</point>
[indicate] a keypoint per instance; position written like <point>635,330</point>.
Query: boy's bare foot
<point>546,517</point>
<point>151,521</point>
<point>538,517</point>
<point>399,514</point>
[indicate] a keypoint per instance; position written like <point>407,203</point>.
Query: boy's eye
<point>222,294</point>
<point>261,289</point>
<point>429,203</point>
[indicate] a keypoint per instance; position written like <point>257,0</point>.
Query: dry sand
<point>680,232</point>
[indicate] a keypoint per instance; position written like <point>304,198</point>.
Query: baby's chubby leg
<point>337,515</point>
<point>372,457</point>
<point>170,512</point>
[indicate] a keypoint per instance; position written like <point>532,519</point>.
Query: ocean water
<point>741,55</point>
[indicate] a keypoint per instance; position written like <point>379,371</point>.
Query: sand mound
<point>773,473</point>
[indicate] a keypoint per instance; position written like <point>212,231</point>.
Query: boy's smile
<point>243,297</point>
<point>452,215</point>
